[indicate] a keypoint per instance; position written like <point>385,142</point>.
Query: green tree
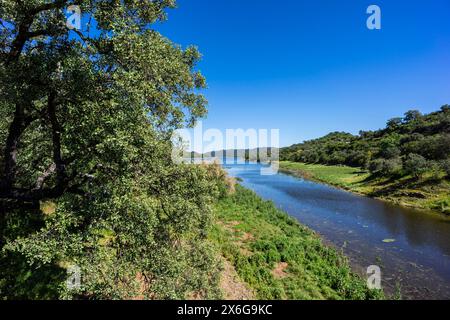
<point>394,123</point>
<point>445,166</point>
<point>389,146</point>
<point>416,165</point>
<point>412,115</point>
<point>386,167</point>
<point>86,176</point>
<point>445,108</point>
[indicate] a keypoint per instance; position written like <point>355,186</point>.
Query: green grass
<point>256,237</point>
<point>428,193</point>
<point>346,177</point>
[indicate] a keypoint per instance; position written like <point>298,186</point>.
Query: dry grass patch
<point>232,286</point>
<point>280,270</point>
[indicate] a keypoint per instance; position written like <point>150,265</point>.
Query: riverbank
<point>278,258</point>
<point>426,194</point>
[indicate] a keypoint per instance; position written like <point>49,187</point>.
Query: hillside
<point>407,162</point>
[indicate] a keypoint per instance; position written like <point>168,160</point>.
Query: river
<point>411,247</point>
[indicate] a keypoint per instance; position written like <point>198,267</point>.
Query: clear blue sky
<point>311,67</point>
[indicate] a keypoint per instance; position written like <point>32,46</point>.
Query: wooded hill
<point>415,145</point>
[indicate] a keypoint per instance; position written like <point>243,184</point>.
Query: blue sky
<point>312,67</point>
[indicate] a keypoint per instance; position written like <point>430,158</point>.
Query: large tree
<point>86,176</point>
<point>59,81</point>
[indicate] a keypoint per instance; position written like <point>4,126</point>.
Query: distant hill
<point>412,144</point>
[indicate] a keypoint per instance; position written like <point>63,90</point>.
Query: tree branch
<point>41,180</point>
<point>58,4</point>
<point>56,139</point>
<point>23,34</point>
<point>19,124</point>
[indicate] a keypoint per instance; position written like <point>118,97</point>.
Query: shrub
<point>385,167</point>
<point>416,165</point>
<point>445,166</point>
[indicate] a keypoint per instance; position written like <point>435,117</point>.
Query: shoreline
<point>277,257</point>
<point>410,203</point>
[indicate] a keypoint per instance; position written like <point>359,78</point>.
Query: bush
<point>445,166</point>
<point>357,158</point>
<point>392,166</point>
<point>416,165</point>
<point>385,167</point>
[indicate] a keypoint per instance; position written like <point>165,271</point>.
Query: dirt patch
<point>196,296</point>
<point>229,225</point>
<point>143,287</point>
<point>280,270</point>
<point>247,237</point>
<point>232,286</point>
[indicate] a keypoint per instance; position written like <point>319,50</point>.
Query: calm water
<point>419,258</point>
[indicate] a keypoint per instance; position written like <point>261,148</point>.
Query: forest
<point>414,145</point>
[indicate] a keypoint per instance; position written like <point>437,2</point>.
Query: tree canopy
<point>86,176</point>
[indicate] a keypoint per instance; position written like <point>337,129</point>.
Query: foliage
<point>256,237</point>
<point>416,165</point>
<point>385,167</point>
<point>385,152</point>
<point>86,176</point>
<point>445,165</point>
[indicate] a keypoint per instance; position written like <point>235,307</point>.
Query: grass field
<point>428,193</point>
<point>277,257</point>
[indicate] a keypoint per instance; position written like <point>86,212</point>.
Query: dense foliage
<point>86,176</point>
<point>412,145</point>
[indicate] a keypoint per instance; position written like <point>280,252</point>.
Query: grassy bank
<point>276,257</point>
<point>428,193</point>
